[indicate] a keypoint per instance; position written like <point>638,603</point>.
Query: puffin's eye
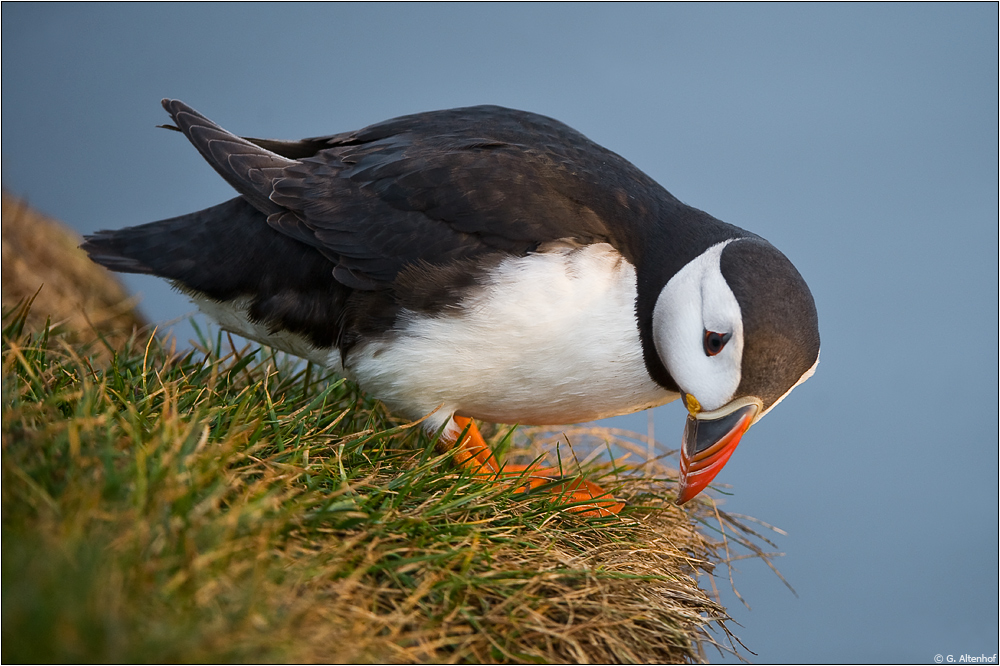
<point>714,342</point>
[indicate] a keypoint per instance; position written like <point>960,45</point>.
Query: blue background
<point>860,139</point>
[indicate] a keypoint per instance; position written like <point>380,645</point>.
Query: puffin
<point>493,264</point>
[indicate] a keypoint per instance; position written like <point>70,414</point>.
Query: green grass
<point>228,505</point>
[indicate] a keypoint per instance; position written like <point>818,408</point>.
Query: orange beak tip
<point>708,445</point>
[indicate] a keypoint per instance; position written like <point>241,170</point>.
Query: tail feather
<point>194,250</point>
<point>104,247</point>
<point>229,252</point>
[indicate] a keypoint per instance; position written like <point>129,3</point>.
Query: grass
<point>228,505</point>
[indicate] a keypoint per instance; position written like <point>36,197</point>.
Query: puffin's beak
<point>709,439</point>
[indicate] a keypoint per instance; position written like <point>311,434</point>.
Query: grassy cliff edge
<point>212,506</point>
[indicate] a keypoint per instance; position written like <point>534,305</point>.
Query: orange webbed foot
<point>475,454</point>
<point>599,502</point>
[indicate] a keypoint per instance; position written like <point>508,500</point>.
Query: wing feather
<point>430,189</point>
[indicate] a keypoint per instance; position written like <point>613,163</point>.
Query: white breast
<point>550,339</point>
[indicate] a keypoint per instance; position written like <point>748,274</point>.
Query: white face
<point>695,300</point>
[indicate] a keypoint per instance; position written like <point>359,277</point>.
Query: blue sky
<point>860,139</point>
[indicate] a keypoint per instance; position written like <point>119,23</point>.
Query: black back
<point>410,213</point>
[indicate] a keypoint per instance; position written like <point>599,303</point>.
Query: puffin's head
<point>736,328</point>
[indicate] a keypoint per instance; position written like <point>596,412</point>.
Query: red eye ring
<point>715,342</point>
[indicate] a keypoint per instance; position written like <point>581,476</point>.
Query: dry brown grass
<point>42,256</point>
